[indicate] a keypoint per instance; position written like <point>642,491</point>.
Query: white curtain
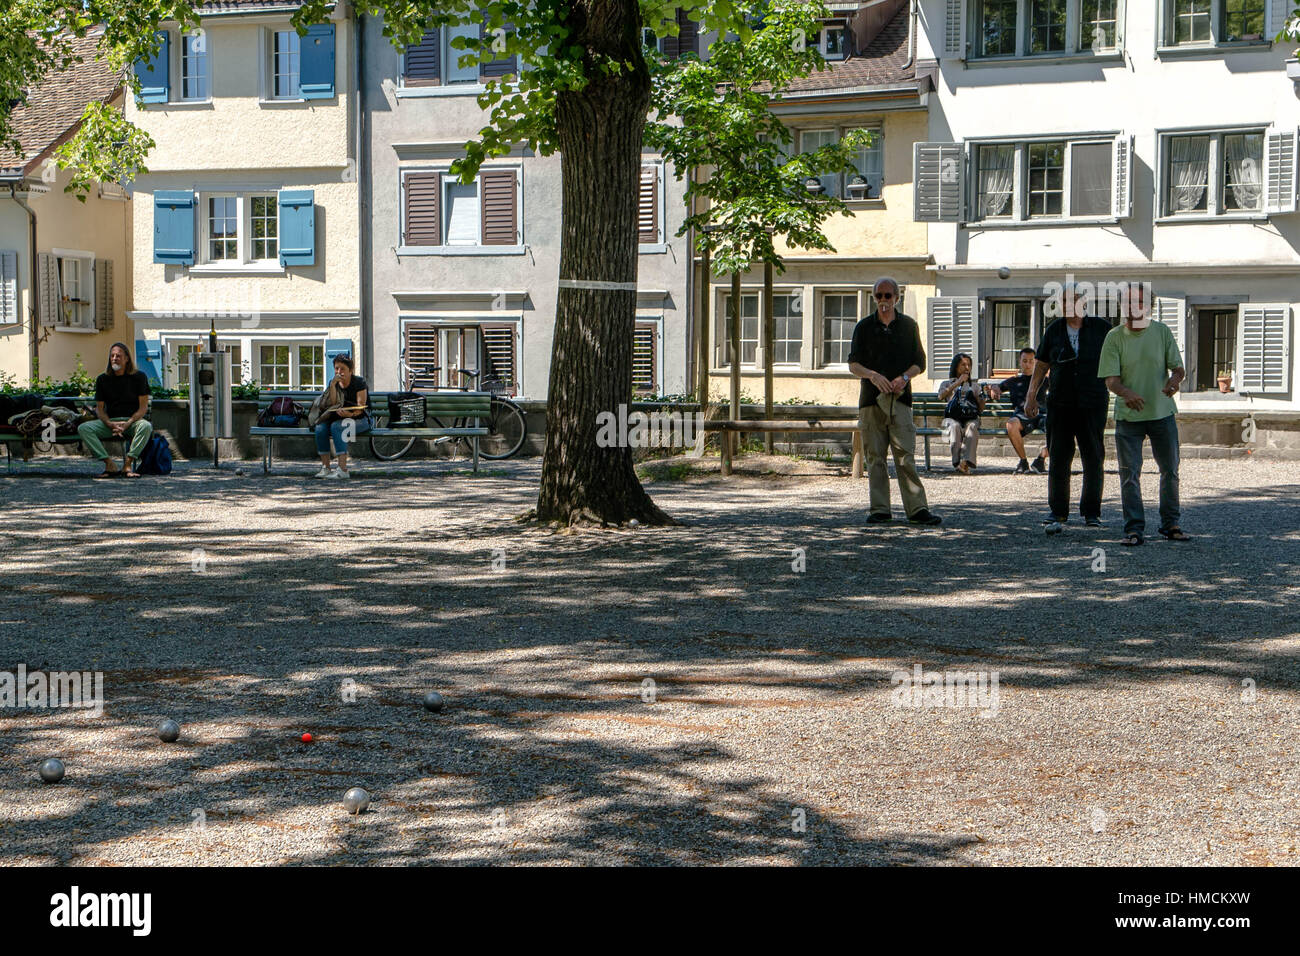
<point>1243,166</point>
<point>1190,157</point>
<point>996,175</point>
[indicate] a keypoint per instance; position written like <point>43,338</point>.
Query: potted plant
<point>1225,381</point>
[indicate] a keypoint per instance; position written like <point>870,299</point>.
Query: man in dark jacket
<point>1077,404</point>
<point>886,354</point>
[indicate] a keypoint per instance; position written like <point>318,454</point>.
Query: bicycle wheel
<point>507,430</point>
<point>386,448</point>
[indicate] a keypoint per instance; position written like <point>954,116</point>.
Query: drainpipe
<point>363,202</point>
<point>33,359</point>
<point>911,36</point>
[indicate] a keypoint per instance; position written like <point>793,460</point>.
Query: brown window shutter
<point>422,64</point>
<point>103,294</point>
<point>49,297</point>
<point>423,222</point>
<point>647,217</point>
<point>500,358</point>
<point>645,370</point>
<point>498,207</point>
<point>688,38</point>
<point>421,344</point>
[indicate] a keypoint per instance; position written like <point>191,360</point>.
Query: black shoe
<point>924,517</point>
<point>1092,522</point>
<point>1022,468</point>
<point>879,517</point>
<point>1039,465</point>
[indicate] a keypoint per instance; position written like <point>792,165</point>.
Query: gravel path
<point>1146,713</point>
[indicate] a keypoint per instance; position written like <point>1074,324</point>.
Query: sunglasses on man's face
<point>884,295</point>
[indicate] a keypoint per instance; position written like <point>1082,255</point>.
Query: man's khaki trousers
<point>888,425</point>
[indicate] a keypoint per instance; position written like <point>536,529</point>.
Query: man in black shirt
<point>121,402</point>
<point>1077,405</point>
<point>886,354</point>
<point>1020,424</point>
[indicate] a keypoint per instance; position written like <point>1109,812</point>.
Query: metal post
<point>705,311</point>
<point>737,310</point>
<point>769,341</point>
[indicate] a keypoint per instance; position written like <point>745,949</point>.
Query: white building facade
<point>1117,141</point>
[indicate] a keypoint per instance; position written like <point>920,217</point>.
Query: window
<point>487,348</point>
<point>194,67</point>
<point>311,366</point>
<point>645,354</point>
<point>439,210</point>
<point>839,316</point>
<point>1045,180</point>
<point>832,43</point>
<point>787,317</point>
<point>292,365</point>
<point>748,329</point>
<point>870,165</point>
<point>285,60</point>
<point>264,219</point>
<point>273,366</point>
<point>1011,333</point>
<point>240,228</point>
<point>76,285</point>
<point>1006,28</point>
<point>223,228</point>
<point>1216,353</point>
<point>1210,22</point>
<point>814,139</point>
<point>1214,173</point>
<point>454,72</point>
<point>181,361</point>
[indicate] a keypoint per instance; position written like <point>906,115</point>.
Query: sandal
<point>1175,534</point>
<point>130,473</point>
<point>107,474</point>
<point>1132,540</point>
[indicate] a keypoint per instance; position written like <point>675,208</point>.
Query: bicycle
<point>506,424</point>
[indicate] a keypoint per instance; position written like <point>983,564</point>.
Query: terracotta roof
<point>880,64</point>
<point>56,106</point>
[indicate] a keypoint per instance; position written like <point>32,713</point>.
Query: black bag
<point>405,410</point>
<point>961,407</point>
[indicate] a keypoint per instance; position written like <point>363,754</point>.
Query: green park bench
<point>444,406</point>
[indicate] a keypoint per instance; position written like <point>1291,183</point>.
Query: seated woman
<point>350,402</point>
<point>961,423</point>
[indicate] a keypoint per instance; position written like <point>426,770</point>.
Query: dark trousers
<point>1129,437</point>
<point>1068,426</point>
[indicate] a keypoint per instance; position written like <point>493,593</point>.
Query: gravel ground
<point>1126,730</point>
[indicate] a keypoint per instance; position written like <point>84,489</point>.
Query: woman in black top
<point>349,403</point>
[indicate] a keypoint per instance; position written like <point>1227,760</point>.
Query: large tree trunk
<point>599,131</point>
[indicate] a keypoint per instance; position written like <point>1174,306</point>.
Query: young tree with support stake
<point>584,89</point>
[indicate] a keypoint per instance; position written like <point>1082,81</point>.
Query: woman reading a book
<point>345,415</point>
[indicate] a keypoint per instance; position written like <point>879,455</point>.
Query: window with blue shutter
<point>335,347</point>
<point>503,65</point>
<point>297,227</point>
<point>316,64</point>
<point>155,86</point>
<point>147,358</point>
<point>173,227</point>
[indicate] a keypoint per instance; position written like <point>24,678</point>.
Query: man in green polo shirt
<point>1141,365</point>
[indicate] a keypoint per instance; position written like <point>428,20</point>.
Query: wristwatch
<point>906,378</point>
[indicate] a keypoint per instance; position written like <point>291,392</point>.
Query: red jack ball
<point>306,738</point>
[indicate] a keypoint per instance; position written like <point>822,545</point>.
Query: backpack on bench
<point>281,413</point>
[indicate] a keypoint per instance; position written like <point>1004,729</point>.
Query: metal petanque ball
<point>433,701</point>
<point>1004,273</point>
<point>52,770</point>
<point>356,801</point>
<point>169,731</point>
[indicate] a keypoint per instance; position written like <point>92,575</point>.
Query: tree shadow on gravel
<point>549,750</point>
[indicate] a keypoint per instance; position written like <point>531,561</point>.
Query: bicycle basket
<point>496,386</point>
<point>405,410</point>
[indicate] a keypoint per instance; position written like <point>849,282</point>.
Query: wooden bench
<point>472,406</point>
<point>927,406</point>
<point>8,435</point>
<point>812,426</point>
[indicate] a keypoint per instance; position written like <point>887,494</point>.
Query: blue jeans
<point>326,430</point>
<point>1129,436</point>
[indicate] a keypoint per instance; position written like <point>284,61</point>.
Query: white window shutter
<point>9,287</point>
<point>1171,311</point>
<point>952,326</point>
<point>1280,170</point>
<point>1263,348</point>
<point>1121,192</point>
<point>938,182</point>
<point>1277,16</point>
<point>954,29</point>
<point>49,297</point>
